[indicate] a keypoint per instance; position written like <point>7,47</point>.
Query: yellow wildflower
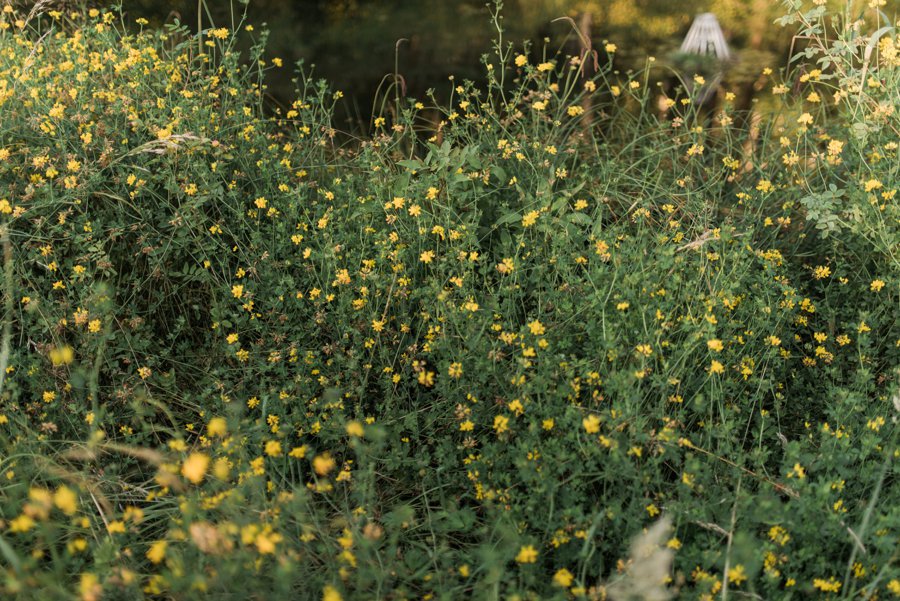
<point>527,554</point>
<point>194,467</point>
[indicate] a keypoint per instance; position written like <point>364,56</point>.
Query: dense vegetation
<point>242,358</point>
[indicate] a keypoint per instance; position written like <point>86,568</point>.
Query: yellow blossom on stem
<point>737,575</point>
<point>563,578</point>
<point>217,427</point>
<point>527,554</point>
<point>536,328</point>
<point>66,500</point>
<point>273,448</point>
<point>157,552</point>
<point>194,467</point>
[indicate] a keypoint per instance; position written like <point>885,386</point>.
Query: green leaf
<point>10,555</point>
<point>412,164</point>
<point>508,218</point>
<point>581,219</point>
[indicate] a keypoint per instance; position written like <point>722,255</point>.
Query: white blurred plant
<point>648,568</point>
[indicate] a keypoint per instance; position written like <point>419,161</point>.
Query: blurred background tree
<point>353,43</point>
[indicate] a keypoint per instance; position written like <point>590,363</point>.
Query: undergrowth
<point>244,358</point>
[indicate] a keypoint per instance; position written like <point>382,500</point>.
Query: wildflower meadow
<point>580,337</point>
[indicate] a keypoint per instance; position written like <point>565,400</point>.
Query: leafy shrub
<point>247,359</point>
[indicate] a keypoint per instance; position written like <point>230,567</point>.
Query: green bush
<point>246,357</point>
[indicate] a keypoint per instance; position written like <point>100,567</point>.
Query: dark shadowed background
<point>354,43</point>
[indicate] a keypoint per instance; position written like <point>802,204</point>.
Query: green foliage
<point>476,359</point>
